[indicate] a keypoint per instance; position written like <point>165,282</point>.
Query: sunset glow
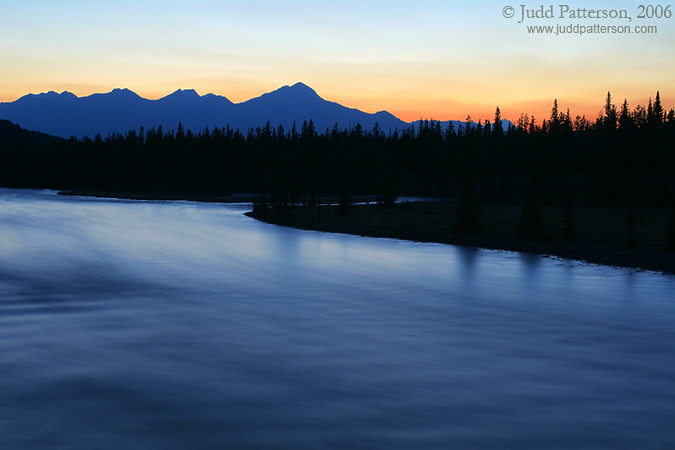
<point>434,59</point>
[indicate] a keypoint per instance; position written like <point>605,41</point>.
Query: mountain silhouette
<point>121,110</point>
<point>12,135</point>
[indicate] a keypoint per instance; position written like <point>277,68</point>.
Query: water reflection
<point>176,325</point>
<point>467,264</point>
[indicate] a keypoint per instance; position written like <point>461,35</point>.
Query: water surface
<point>186,325</point>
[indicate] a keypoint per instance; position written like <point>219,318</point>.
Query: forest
<point>625,155</point>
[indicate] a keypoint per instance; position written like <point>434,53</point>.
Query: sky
<point>432,59</point>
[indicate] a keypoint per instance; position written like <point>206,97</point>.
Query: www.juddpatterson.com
<point>579,29</point>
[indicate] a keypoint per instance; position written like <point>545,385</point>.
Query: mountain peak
<point>213,98</point>
<point>66,94</point>
<point>299,91</point>
<point>124,92</point>
<point>183,93</point>
<point>303,88</point>
<point>301,85</point>
<point>52,95</point>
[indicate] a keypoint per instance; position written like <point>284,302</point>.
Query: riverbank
<point>600,233</point>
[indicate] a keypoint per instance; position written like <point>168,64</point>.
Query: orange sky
<point>434,60</point>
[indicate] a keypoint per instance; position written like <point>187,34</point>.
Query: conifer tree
<point>533,125</point>
<point>523,122</point>
<point>610,118</point>
<point>625,119</point>
<point>467,126</point>
<point>450,132</point>
<point>180,134</point>
<point>497,128</point>
<point>657,110</point>
<point>554,122</point>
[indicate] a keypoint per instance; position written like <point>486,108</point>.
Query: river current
<point>127,324</point>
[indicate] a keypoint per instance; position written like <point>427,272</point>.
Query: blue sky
<point>437,59</point>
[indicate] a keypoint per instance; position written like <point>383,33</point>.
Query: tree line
<point>623,155</point>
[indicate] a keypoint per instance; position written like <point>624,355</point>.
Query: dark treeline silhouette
<point>12,135</point>
<point>623,154</point>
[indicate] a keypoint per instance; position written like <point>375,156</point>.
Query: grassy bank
<point>600,234</point>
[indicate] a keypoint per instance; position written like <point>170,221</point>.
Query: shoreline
<point>372,220</point>
<point>639,259</point>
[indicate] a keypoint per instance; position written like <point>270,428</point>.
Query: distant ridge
<point>12,135</point>
<point>121,110</point>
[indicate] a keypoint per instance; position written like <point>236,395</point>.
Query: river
<point>174,325</point>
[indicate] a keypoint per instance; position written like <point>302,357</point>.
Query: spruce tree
<point>467,126</point>
<point>625,119</point>
<point>497,128</point>
<point>657,110</point>
<point>611,118</point>
<point>554,122</point>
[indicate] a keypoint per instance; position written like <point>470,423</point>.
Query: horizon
<point>513,119</point>
<point>434,61</point>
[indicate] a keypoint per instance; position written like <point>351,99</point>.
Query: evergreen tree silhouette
<point>657,111</point>
<point>497,128</point>
<point>467,126</point>
<point>532,128</point>
<point>566,122</point>
<point>487,128</point>
<point>595,159</point>
<point>610,119</point>
<point>625,119</point>
<point>479,128</point>
<point>180,134</point>
<point>553,125</point>
<point>450,132</point>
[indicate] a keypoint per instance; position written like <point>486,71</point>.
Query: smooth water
<point>185,325</point>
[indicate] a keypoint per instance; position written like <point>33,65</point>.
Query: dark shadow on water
<point>468,257</point>
<point>531,265</point>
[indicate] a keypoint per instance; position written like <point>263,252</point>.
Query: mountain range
<point>121,110</point>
